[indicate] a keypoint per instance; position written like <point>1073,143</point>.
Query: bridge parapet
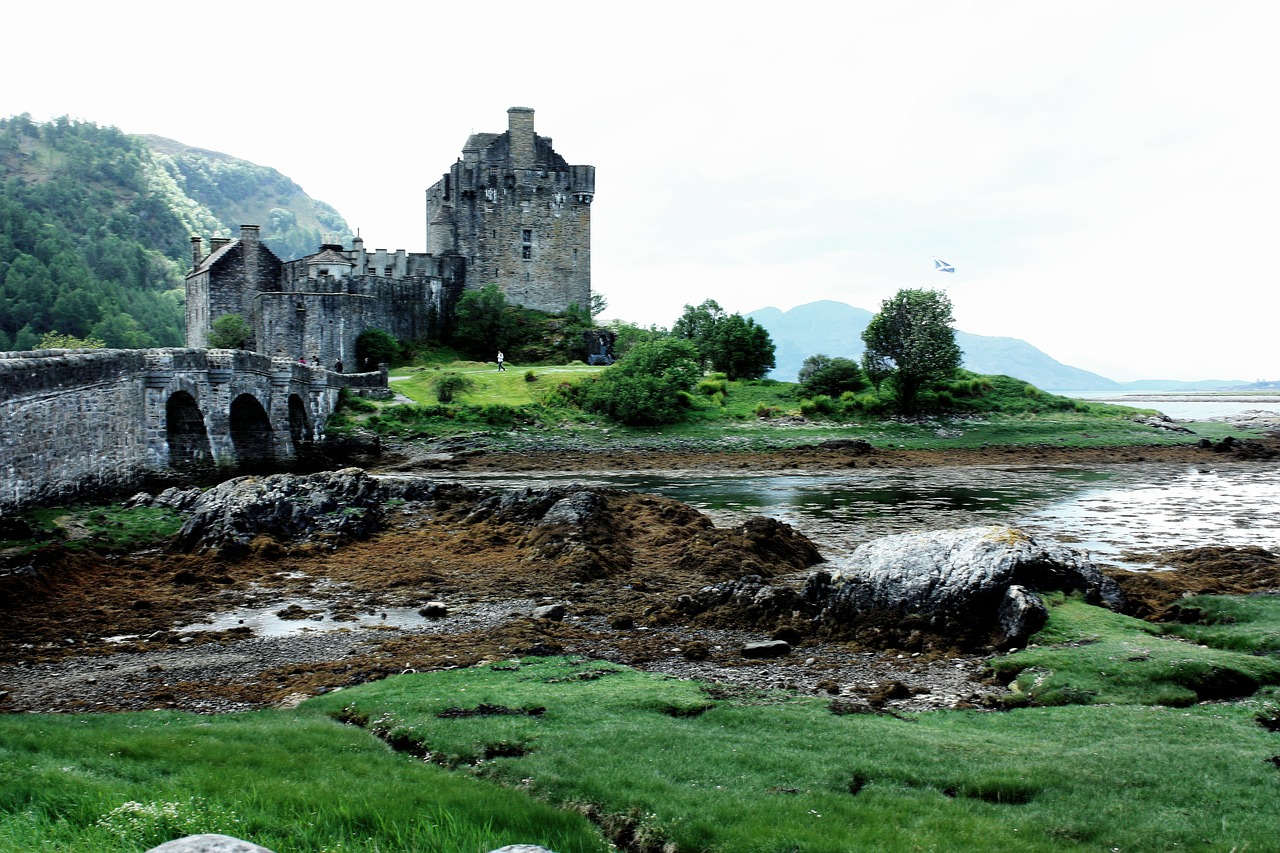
<point>77,421</point>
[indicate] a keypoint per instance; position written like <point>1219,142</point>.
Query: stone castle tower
<point>511,211</point>
<point>519,215</point>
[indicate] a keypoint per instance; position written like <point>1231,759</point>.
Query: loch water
<point>1120,513</point>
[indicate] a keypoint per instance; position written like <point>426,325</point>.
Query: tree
<point>644,387</point>
<point>57,340</point>
<point>483,322</point>
<point>230,331</point>
<point>698,324</point>
<point>740,349</point>
<point>728,343</point>
<point>911,343</point>
<point>822,374</point>
<point>449,385</point>
<point>374,347</point>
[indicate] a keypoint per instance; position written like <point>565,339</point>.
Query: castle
<point>510,211</point>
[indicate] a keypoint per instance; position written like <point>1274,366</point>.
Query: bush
<point>830,376</point>
<point>647,387</point>
<point>448,385</point>
<point>375,347</point>
<point>530,376</point>
<point>230,331</point>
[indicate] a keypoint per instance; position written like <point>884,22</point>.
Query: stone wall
<point>71,421</point>
<point>75,422</point>
<point>519,214</point>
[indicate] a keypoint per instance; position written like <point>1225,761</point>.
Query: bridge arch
<point>185,432</point>
<point>251,432</point>
<point>299,422</point>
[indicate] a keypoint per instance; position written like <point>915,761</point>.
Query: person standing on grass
<point>501,358</point>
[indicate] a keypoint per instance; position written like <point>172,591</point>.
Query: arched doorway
<point>185,433</point>
<point>299,423</point>
<point>251,431</point>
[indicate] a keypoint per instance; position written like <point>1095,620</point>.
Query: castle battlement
<point>510,211</point>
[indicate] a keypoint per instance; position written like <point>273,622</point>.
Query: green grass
<point>655,760</point>
<point>779,772</point>
<point>504,410</point>
<point>288,781</point>
<point>1088,654</point>
<point>1249,624</point>
<point>104,527</point>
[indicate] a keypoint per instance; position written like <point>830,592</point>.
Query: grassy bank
<point>652,761</point>
<point>526,407</point>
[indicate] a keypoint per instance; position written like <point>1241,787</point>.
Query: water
<point>1194,407</point>
<point>1118,513</point>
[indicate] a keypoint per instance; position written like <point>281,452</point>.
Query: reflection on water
<point>1119,510</point>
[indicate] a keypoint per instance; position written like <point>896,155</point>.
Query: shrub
<point>832,377</point>
<point>530,376</point>
<point>374,347</point>
<point>230,331</point>
<point>649,386</point>
<point>448,385</point>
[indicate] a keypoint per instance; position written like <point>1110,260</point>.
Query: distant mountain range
<point>835,329</point>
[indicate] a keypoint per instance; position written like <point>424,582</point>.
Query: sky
<point>1102,175</point>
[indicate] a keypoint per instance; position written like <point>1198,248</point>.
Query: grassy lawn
<point>505,409</point>
<point>1113,750</point>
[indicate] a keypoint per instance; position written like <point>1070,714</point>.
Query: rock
<point>434,610</point>
<point>973,588</point>
<point>767,649</point>
<point>521,848</point>
<point>233,517</point>
<point>553,612</point>
<point>208,843</point>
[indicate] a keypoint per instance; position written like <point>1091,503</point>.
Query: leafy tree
<point>56,340</point>
<point>698,324</point>
<point>728,343</point>
<point>741,349</point>
<point>230,331</point>
<point>483,322</point>
<point>374,347</point>
<point>599,304</point>
<point>822,374</point>
<point>645,387</point>
<point>629,335</point>
<point>911,343</point>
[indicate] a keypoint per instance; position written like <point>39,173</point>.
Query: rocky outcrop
<point>226,844</point>
<point>974,588</point>
<point>208,843</point>
<point>329,507</point>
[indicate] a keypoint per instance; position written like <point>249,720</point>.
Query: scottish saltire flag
<point>942,266</point>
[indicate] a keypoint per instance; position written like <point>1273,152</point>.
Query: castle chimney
<point>248,233</point>
<point>520,134</point>
<point>216,243</point>
<point>196,254</point>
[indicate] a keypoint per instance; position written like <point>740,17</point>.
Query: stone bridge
<point>76,421</point>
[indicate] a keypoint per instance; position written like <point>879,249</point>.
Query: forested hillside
<point>95,228</point>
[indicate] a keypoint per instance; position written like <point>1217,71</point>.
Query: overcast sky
<point>1102,175</point>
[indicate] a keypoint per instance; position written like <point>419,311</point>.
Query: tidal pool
<point>1117,512</point>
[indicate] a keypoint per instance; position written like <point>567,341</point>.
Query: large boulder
<point>208,843</point>
<point>974,588</point>
<point>331,506</point>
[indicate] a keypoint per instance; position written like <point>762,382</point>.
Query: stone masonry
<point>510,212</point>
<point>77,421</point>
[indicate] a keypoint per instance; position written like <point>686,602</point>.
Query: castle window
<point>527,235</point>
<point>526,252</point>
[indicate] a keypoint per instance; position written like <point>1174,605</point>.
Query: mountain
<point>229,192</point>
<point>835,329</point>
<point>95,228</point>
